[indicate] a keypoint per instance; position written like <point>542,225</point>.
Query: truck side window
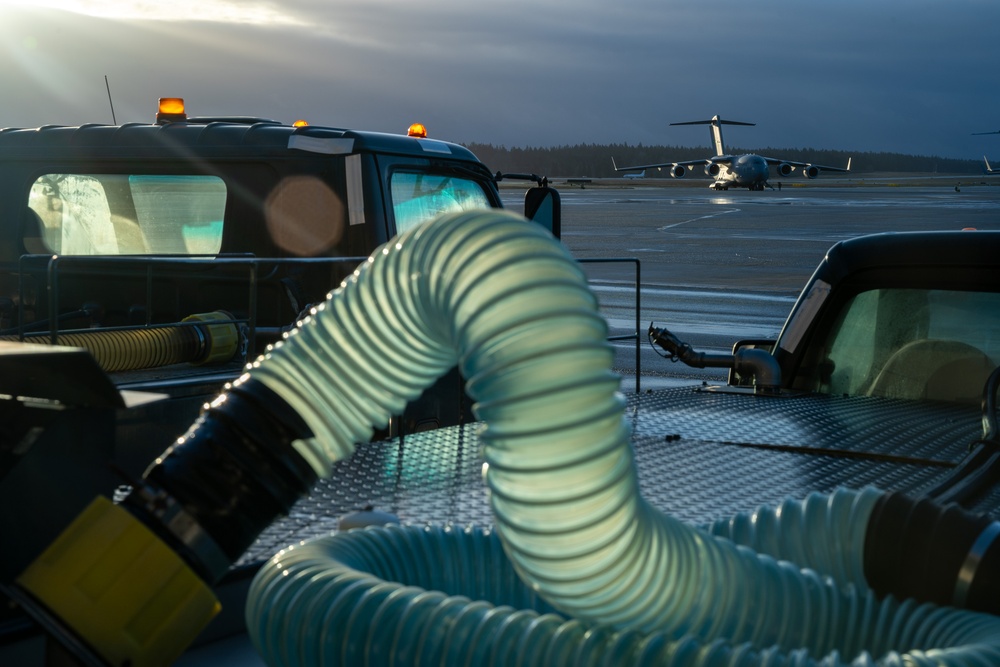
<point>850,347</point>
<point>418,197</point>
<point>912,343</point>
<point>121,214</point>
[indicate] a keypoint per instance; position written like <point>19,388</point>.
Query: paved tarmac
<point>720,266</point>
<point>759,240</point>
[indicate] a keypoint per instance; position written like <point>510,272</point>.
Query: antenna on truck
<point>108,86</point>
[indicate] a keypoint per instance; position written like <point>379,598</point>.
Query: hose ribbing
<point>212,340</point>
<point>132,349</point>
<point>511,306</point>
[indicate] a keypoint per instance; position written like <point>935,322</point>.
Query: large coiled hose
<point>509,304</point>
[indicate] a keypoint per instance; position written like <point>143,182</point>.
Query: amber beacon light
<point>417,130</point>
<point>170,109</point>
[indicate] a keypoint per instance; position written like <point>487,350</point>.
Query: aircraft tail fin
<point>989,169</point>
<point>716,131</point>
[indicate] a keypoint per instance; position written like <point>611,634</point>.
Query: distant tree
<point>594,160</point>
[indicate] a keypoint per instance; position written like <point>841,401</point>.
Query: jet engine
<point>809,171</point>
<point>678,171</point>
<point>712,169</point>
<point>784,169</point>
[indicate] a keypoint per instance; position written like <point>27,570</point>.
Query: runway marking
<point>701,217</point>
<point>624,287</point>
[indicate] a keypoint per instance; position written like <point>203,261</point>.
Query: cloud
<point>219,11</point>
<point>852,75</point>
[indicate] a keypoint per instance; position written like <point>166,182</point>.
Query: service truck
<point>175,251</point>
<point>833,503</point>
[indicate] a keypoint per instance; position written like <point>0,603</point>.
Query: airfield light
<point>170,109</point>
<point>300,123</point>
<point>417,130</point>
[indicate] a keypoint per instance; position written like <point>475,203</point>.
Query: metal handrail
<point>57,263</point>
<point>636,335</point>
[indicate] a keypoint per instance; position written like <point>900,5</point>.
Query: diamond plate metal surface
<point>700,455</point>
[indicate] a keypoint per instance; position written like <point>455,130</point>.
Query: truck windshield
<point>910,343</point>
<point>123,214</point>
<point>418,197</point>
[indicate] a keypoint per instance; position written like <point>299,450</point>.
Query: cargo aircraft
<point>748,171</point>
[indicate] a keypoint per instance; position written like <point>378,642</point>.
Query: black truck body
<point>829,404</point>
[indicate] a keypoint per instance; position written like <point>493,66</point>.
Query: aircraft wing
<point>661,165</point>
<point>773,161</point>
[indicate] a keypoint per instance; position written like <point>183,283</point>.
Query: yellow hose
<point>205,338</point>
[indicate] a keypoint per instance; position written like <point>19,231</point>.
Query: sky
<point>909,76</point>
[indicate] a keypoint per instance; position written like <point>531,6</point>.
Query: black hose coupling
<point>758,363</point>
<point>228,478</point>
<point>918,548</point>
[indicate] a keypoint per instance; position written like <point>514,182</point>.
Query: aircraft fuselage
<point>745,171</point>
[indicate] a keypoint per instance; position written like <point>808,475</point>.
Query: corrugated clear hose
<point>630,585</point>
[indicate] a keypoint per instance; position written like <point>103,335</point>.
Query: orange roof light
<point>172,105</point>
<point>417,130</point>
<point>170,109</point>
<point>300,123</point>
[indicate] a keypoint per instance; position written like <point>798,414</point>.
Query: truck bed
<point>702,453</point>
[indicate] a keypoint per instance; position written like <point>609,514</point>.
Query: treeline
<point>594,160</point>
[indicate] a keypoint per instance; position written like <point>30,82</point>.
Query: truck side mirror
<point>542,205</point>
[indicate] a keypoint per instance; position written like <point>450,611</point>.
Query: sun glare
<point>222,11</point>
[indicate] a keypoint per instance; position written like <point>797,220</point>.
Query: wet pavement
<point>718,267</point>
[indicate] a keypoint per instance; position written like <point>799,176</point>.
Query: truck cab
<point>908,316</point>
<point>220,231</point>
